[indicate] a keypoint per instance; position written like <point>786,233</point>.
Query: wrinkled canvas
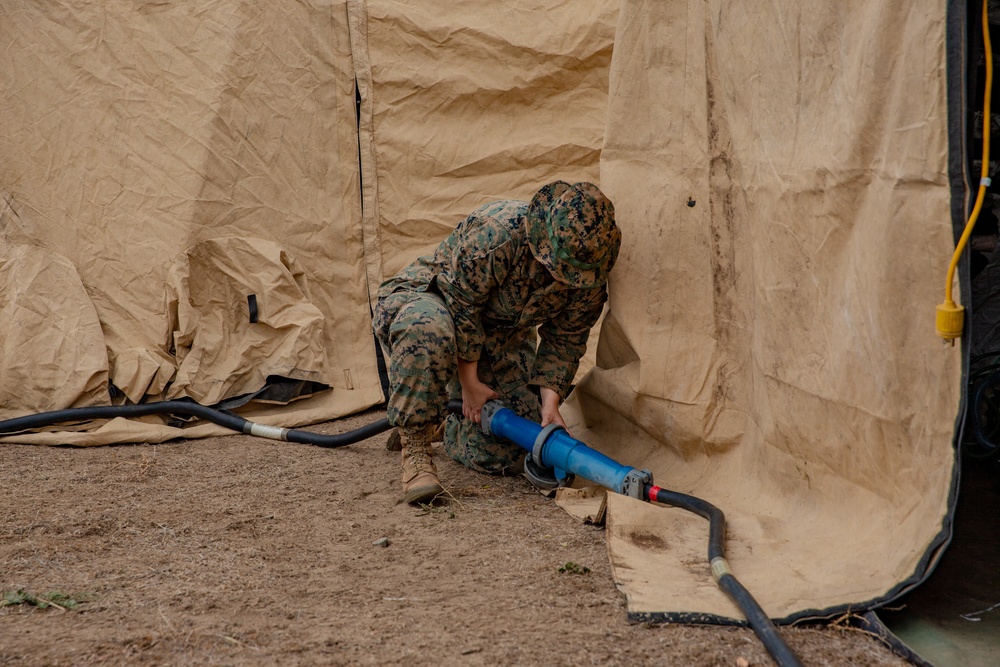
<point>136,141</point>
<point>472,102</point>
<point>780,176</point>
<point>46,318</point>
<point>463,103</point>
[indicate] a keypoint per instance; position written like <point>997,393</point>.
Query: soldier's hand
<point>474,397</point>
<point>550,408</point>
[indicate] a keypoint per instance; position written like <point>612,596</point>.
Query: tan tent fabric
<point>155,131</point>
<point>210,289</point>
<point>472,102</point>
<point>46,319</point>
<point>780,175</point>
<point>133,133</point>
<point>467,102</point>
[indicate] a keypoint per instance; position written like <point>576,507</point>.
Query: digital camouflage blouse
<point>490,281</point>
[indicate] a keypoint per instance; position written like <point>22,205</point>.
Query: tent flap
<point>786,229</point>
<point>52,353</point>
<point>243,312</point>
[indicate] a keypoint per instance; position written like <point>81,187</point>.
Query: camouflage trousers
<point>417,333</point>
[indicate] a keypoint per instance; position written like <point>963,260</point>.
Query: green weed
<point>56,599</point>
<point>574,568</point>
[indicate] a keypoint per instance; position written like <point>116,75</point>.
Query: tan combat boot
<point>420,482</point>
<point>394,444</point>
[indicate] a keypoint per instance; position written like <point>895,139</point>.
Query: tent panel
<point>789,210</point>
<point>51,345</point>
<point>477,101</point>
<point>135,132</point>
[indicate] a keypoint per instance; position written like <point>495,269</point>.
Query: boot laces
<point>419,458</point>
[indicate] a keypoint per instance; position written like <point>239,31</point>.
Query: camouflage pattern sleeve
<point>563,340</point>
<point>480,255</point>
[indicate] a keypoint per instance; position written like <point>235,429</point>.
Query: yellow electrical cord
<point>950,316</point>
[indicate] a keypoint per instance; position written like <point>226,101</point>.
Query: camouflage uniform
<point>482,296</point>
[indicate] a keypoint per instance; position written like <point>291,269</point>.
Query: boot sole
<point>423,494</point>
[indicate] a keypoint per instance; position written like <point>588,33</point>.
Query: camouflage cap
<point>572,232</point>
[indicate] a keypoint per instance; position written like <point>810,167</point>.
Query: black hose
<point>755,615</point>
<point>189,408</point>
<point>31,422</point>
<point>340,439</point>
<point>351,437</point>
<point>703,508</point>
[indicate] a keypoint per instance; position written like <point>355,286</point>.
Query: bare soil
<point>242,551</point>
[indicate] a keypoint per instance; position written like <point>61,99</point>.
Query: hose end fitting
<point>635,483</point>
<point>720,567</point>
<point>489,411</point>
<point>950,320</point>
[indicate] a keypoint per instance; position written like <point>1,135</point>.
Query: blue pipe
<point>553,447</point>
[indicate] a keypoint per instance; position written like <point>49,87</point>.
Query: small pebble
<point>742,662</point>
<point>381,542</point>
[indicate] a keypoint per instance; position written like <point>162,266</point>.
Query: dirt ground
<point>243,551</point>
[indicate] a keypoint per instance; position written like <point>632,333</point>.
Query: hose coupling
<point>635,483</point>
<point>489,411</point>
<point>543,435</point>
